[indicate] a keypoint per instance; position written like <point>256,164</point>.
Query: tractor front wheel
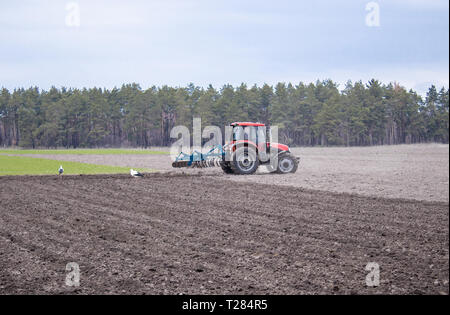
<point>287,163</point>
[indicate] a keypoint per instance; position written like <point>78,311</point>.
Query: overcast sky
<point>174,42</point>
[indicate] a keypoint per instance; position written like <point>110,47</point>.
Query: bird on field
<point>135,173</point>
<point>61,170</point>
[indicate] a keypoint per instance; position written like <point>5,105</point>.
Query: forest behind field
<point>313,114</point>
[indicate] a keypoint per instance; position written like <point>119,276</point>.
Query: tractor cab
<point>255,133</point>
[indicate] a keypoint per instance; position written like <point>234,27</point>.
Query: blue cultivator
<point>197,159</point>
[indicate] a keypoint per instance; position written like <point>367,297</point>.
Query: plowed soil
<point>419,172</point>
<point>172,234</point>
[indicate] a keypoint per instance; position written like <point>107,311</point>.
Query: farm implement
<point>250,147</point>
<point>197,159</point>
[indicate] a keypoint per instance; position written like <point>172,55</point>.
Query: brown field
<point>189,234</point>
<point>202,232</point>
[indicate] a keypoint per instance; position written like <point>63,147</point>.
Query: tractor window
<point>250,134</point>
<point>261,135</point>
<point>269,135</point>
<point>238,133</point>
<point>247,133</point>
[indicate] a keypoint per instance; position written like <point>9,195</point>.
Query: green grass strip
<point>19,165</point>
<point>85,151</point>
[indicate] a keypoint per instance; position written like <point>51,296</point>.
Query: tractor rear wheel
<point>226,167</point>
<point>287,163</point>
<point>245,161</point>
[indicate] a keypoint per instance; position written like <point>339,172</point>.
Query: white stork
<point>135,173</point>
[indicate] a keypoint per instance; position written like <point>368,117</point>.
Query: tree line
<point>307,114</point>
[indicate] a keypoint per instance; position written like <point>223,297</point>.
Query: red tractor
<point>250,147</point>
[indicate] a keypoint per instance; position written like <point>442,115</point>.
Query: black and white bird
<point>135,173</point>
<point>61,170</point>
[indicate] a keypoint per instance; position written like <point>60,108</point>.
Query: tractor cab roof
<point>244,124</point>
